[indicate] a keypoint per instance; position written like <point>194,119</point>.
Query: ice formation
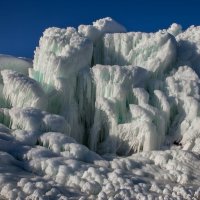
<point>22,91</point>
<point>99,28</point>
<point>102,113</point>
<point>58,60</point>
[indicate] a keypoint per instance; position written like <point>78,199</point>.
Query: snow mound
<point>18,64</point>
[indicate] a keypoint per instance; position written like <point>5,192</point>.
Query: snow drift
<point>102,113</point>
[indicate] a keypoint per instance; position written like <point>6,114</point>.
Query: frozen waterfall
<point>84,118</point>
<point>118,92</point>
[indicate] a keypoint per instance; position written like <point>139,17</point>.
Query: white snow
<point>99,28</point>
<point>61,55</point>
<point>175,29</point>
<point>18,64</point>
<point>102,114</point>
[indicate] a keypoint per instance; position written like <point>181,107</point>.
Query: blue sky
<point>23,21</point>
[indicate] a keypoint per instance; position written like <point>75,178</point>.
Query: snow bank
<point>32,119</point>
<point>17,64</point>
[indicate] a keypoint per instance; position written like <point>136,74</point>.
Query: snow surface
<point>102,114</point>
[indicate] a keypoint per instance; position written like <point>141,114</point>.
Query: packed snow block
<point>32,119</point>
<point>156,52</point>
<point>189,48</point>
<point>105,25</point>
<point>21,91</point>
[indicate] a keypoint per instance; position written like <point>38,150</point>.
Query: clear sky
<point>23,21</point>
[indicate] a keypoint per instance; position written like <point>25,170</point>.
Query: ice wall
<point>117,92</point>
<point>84,121</point>
<point>113,106</point>
<point>61,55</point>
<point>155,52</point>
